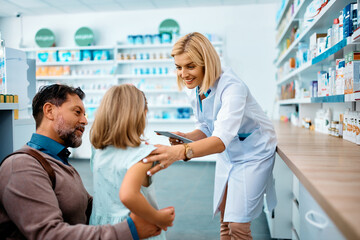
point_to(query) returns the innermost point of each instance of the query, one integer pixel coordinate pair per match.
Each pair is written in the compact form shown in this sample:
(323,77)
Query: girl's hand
(165,217)
(144,228)
(166,155)
(174,141)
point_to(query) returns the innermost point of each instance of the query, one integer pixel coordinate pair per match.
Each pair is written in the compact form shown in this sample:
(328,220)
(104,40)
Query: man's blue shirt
(50,147)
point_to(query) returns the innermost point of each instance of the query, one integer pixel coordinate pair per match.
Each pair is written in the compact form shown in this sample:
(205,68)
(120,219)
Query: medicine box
(101,55)
(46,56)
(339,79)
(313,43)
(86,55)
(352,71)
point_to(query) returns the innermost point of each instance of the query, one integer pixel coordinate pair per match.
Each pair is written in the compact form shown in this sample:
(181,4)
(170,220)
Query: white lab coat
(246,165)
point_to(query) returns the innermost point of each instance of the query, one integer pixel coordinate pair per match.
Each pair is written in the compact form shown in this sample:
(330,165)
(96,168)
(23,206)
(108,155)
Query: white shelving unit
(74,77)
(7,128)
(287,226)
(320,24)
(308,72)
(145,76)
(99,62)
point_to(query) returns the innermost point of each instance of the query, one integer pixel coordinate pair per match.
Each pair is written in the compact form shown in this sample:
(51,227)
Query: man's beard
(68,134)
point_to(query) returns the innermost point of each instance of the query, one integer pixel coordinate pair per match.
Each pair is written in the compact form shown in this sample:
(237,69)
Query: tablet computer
(172,135)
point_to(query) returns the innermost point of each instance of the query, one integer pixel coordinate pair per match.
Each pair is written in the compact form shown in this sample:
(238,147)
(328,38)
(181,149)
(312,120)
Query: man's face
(70,121)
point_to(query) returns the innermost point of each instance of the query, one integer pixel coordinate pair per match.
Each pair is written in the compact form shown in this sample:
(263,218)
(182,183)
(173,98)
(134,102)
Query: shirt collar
(49,146)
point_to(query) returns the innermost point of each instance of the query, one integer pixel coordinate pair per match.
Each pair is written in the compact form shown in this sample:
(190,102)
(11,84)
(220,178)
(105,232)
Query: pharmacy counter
(329,168)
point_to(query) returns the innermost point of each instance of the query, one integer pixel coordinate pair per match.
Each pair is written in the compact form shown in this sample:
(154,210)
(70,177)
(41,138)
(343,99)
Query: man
(28,203)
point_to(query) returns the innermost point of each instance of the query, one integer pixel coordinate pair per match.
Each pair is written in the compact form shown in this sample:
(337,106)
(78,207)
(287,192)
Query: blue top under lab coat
(246,165)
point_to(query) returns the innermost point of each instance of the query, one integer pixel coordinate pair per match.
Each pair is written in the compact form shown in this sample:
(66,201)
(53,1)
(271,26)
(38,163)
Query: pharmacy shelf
(334,49)
(9,106)
(295,18)
(154,46)
(95,91)
(143,46)
(144,76)
(74,77)
(326,99)
(294,101)
(295,73)
(162,91)
(287,5)
(312,67)
(99,62)
(68,48)
(320,22)
(171,121)
(329,99)
(169,106)
(145,61)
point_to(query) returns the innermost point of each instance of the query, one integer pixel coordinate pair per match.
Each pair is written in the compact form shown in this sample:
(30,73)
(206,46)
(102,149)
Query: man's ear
(49,111)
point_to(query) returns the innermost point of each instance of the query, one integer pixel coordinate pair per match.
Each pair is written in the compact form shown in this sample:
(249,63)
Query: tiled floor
(189,188)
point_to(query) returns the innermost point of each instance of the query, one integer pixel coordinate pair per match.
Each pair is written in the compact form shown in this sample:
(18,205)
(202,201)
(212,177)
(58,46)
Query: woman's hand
(166,155)
(174,141)
(165,217)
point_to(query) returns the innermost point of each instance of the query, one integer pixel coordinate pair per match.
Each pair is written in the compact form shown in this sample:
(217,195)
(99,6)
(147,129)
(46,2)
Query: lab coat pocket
(244,149)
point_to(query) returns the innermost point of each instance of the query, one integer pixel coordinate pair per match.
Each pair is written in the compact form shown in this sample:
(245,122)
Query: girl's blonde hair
(120,119)
(202,53)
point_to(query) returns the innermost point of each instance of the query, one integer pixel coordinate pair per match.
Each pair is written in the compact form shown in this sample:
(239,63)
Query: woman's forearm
(206,146)
(195,135)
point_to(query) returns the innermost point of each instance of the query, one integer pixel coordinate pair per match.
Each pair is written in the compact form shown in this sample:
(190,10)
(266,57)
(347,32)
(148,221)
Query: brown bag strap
(44,163)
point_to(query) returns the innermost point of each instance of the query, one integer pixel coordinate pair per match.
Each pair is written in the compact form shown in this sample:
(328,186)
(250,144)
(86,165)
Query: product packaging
(46,56)
(313,46)
(352,71)
(86,55)
(339,79)
(64,56)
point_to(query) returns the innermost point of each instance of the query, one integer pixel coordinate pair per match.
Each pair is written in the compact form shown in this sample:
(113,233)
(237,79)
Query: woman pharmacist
(229,122)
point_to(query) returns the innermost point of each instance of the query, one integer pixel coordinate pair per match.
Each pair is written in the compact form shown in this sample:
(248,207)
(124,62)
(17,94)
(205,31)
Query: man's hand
(144,228)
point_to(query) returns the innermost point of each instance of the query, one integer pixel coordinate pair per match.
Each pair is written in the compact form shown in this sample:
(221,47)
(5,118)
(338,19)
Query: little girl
(116,136)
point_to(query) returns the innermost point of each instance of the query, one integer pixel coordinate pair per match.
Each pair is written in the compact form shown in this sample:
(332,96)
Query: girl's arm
(132,198)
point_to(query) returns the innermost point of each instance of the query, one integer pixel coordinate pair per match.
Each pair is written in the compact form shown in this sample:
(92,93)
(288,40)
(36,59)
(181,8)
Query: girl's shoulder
(145,149)
(136,154)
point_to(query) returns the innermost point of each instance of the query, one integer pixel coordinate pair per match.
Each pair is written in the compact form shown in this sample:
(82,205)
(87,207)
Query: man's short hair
(55,94)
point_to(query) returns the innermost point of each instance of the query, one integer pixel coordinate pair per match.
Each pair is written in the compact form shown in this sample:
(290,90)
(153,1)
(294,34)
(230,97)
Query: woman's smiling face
(191,74)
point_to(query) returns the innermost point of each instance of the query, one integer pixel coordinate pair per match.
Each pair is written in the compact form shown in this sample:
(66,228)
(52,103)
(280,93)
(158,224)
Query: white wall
(248,32)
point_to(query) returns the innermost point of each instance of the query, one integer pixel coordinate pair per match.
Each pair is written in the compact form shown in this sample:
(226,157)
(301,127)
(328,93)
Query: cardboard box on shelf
(313,43)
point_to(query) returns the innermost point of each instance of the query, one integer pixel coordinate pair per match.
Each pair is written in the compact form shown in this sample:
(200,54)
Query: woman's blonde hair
(120,119)
(202,53)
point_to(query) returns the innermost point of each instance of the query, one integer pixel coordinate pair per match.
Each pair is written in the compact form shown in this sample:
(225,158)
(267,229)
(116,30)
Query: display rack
(320,24)
(306,73)
(7,128)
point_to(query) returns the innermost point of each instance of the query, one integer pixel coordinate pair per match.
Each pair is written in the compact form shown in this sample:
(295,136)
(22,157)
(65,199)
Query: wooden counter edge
(333,213)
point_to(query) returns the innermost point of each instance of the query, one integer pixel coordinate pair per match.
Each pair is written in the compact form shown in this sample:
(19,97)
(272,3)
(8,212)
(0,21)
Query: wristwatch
(189,153)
